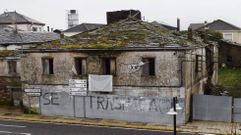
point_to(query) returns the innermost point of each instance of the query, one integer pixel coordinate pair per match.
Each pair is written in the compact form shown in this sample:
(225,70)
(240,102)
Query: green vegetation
(122,34)
(216,34)
(70,46)
(99,46)
(89,46)
(230,79)
(5,53)
(30,111)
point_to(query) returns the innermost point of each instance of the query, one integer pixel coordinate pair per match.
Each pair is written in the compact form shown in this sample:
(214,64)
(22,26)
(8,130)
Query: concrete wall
(137,109)
(149,91)
(56,101)
(193,81)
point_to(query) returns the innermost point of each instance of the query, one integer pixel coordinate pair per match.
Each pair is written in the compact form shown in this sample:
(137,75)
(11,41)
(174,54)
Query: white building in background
(72,18)
(20,22)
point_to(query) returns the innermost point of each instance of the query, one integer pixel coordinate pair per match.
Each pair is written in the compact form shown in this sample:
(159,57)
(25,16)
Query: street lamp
(173,111)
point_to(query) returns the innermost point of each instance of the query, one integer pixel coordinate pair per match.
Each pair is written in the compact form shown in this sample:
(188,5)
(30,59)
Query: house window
(149,66)
(109,66)
(48,66)
(198,63)
(12,67)
(80,66)
(228,36)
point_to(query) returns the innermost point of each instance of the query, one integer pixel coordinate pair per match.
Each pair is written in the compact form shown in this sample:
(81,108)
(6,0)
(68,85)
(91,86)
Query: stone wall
(167,68)
(174,69)
(5,95)
(9,81)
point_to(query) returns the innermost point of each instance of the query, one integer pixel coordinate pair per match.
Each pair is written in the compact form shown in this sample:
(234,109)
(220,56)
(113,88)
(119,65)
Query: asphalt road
(34,128)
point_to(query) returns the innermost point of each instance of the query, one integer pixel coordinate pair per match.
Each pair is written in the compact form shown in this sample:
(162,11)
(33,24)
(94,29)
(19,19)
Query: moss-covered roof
(128,33)
(7,53)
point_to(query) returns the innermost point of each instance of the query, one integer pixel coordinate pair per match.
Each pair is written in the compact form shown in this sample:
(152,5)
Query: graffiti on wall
(50,98)
(129,104)
(113,102)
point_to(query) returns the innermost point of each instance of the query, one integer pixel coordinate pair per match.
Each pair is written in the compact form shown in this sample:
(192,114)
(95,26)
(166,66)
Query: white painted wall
(28,27)
(69,34)
(13,47)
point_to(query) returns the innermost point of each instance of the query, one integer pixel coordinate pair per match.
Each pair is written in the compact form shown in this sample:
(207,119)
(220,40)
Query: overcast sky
(53,12)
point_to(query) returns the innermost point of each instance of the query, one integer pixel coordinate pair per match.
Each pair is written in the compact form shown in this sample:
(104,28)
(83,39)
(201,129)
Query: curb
(103,123)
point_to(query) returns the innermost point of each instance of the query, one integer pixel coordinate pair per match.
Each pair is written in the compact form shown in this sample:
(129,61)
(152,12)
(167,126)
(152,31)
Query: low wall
(129,108)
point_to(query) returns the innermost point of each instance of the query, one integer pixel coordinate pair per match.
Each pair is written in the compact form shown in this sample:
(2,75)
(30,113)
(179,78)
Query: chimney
(116,16)
(178,24)
(189,33)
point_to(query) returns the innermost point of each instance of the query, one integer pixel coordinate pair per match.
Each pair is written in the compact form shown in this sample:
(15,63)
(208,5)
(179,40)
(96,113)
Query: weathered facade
(10,78)
(144,60)
(10,41)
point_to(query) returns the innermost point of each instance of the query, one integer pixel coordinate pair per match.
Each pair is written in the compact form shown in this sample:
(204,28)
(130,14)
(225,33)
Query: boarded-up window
(80,66)
(109,66)
(12,67)
(48,66)
(149,66)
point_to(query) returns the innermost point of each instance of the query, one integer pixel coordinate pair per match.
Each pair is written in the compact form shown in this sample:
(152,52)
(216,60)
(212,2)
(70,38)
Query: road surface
(35,128)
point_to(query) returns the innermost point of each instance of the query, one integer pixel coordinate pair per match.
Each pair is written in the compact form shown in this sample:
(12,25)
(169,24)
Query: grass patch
(230,79)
